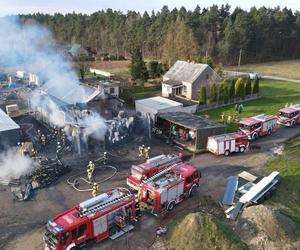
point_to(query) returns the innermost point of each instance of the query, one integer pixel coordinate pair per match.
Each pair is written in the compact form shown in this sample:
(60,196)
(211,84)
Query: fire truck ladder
(159,174)
(169,159)
(99,207)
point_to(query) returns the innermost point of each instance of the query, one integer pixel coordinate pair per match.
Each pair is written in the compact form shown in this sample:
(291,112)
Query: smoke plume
(31,48)
(13,165)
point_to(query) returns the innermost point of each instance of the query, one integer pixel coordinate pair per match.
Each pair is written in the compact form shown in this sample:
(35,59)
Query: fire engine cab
(164,190)
(107,215)
(227,143)
(151,167)
(289,116)
(259,125)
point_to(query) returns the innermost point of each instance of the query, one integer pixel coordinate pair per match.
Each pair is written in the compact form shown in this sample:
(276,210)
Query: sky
(8,7)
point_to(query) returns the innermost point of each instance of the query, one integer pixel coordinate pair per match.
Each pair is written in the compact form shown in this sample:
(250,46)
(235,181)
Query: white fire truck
(257,126)
(227,143)
(151,167)
(289,116)
(107,215)
(164,190)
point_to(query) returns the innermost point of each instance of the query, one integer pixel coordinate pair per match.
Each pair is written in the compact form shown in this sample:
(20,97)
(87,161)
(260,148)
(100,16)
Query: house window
(207,76)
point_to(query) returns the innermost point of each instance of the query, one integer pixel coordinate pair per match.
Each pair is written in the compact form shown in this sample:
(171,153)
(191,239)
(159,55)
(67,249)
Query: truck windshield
(136,174)
(245,127)
(283,114)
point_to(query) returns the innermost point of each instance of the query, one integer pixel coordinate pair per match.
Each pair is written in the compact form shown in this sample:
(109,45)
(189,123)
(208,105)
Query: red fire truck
(289,116)
(151,167)
(227,143)
(164,190)
(107,215)
(259,125)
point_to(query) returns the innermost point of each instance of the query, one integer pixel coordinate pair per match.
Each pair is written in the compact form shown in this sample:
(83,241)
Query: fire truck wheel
(269,131)
(293,123)
(171,206)
(227,152)
(192,192)
(255,136)
(242,149)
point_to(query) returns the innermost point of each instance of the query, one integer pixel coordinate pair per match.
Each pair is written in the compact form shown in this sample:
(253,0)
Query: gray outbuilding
(187,130)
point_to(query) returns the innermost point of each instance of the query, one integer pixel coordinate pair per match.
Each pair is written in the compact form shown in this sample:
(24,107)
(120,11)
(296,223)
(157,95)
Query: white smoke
(13,165)
(31,48)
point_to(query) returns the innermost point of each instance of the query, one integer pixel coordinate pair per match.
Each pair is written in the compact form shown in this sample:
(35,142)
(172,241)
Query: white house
(184,79)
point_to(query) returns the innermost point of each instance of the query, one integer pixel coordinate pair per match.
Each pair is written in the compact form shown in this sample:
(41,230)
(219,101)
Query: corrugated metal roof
(158,103)
(185,71)
(77,94)
(189,121)
(231,187)
(6,123)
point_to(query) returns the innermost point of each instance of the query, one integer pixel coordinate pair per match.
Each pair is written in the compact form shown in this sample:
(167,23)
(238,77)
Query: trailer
(226,144)
(151,167)
(257,126)
(110,215)
(166,189)
(289,116)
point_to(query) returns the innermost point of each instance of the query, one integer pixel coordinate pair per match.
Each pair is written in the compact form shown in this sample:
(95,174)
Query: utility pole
(240,58)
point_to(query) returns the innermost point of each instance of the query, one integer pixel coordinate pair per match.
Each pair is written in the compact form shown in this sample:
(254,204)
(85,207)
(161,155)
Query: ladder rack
(100,207)
(159,174)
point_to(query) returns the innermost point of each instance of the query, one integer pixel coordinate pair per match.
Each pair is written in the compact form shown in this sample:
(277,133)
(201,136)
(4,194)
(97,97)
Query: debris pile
(248,192)
(47,173)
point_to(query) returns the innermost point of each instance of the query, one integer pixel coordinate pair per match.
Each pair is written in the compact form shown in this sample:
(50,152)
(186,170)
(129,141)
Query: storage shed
(10,133)
(155,105)
(187,130)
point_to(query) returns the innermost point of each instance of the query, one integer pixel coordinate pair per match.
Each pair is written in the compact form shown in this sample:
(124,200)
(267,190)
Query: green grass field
(287,196)
(289,69)
(274,95)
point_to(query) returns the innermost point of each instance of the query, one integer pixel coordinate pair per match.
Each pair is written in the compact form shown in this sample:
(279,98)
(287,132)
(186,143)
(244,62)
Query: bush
(202,96)
(231,89)
(240,88)
(213,93)
(121,58)
(248,89)
(113,57)
(255,89)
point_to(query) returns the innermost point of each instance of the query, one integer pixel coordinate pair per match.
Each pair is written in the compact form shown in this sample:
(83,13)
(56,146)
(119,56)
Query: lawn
(287,196)
(274,95)
(289,69)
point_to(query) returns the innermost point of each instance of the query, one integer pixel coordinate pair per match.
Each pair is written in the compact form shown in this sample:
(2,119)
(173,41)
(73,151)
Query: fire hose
(77,177)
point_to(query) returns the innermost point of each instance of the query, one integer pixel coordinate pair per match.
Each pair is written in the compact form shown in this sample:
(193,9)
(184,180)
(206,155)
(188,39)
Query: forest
(217,32)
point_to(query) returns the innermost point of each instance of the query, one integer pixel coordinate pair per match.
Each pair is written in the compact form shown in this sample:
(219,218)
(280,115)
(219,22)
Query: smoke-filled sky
(89,6)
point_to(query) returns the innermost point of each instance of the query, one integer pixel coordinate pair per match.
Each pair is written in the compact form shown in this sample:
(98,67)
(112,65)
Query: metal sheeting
(247,176)
(6,123)
(231,187)
(233,211)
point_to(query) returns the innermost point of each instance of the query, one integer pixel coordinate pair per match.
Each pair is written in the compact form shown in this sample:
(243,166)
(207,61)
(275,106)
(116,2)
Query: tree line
(216,32)
(228,90)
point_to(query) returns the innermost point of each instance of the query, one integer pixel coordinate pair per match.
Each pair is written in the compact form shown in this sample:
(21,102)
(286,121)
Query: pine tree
(223,92)
(240,88)
(255,89)
(213,95)
(138,68)
(202,96)
(231,89)
(248,88)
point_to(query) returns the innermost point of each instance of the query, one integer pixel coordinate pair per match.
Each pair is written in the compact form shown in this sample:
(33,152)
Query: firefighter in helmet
(95,189)
(90,171)
(137,209)
(146,152)
(105,157)
(141,151)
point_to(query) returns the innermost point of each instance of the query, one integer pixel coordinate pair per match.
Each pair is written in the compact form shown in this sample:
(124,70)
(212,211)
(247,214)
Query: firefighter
(141,151)
(43,139)
(91,166)
(58,151)
(33,153)
(95,189)
(105,157)
(137,209)
(146,152)
(222,117)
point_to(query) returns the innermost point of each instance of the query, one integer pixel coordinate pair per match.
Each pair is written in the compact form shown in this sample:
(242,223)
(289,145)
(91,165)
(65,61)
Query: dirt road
(21,224)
